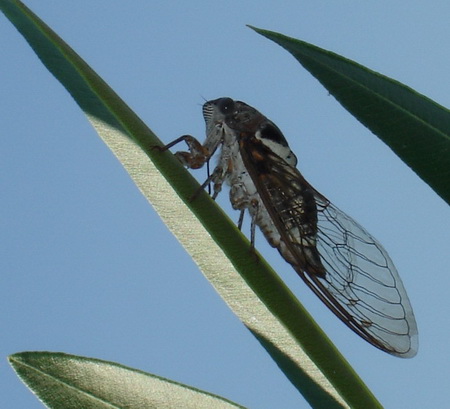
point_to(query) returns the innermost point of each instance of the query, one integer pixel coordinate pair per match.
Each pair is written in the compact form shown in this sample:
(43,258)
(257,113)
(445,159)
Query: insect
(338,259)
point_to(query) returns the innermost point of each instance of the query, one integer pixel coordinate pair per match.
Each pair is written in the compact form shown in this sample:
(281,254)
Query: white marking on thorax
(282,151)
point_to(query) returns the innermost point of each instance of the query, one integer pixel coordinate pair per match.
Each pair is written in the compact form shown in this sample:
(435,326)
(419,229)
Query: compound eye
(225,105)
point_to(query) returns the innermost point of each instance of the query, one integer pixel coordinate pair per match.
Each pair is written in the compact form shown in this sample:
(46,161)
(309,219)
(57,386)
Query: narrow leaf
(416,128)
(250,287)
(64,381)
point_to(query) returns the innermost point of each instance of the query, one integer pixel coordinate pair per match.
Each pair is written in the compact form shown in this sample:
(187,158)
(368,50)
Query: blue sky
(87,266)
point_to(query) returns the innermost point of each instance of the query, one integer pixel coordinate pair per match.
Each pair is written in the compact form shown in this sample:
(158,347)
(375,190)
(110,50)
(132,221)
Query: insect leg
(216,178)
(241,219)
(197,156)
(255,205)
(174,142)
(208,173)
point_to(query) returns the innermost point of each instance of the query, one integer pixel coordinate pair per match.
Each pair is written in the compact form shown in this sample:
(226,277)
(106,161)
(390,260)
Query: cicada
(346,267)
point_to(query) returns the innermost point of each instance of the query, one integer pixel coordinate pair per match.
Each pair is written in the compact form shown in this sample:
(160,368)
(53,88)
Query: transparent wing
(362,278)
(340,261)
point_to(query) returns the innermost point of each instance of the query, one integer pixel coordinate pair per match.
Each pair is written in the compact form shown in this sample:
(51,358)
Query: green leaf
(416,128)
(248,285)
(64,381)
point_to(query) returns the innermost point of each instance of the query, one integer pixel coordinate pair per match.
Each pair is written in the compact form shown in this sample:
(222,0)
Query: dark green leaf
(416,128)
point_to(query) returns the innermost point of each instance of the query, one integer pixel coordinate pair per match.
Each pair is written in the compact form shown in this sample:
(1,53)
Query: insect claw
(254,254)
(195,194)
(176,141)
(158,148)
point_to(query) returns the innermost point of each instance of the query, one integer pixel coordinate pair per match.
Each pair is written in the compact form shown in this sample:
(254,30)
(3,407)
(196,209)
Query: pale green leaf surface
(63,381)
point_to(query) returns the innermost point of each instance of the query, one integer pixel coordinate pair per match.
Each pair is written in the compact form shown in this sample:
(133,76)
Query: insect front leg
(197,155)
